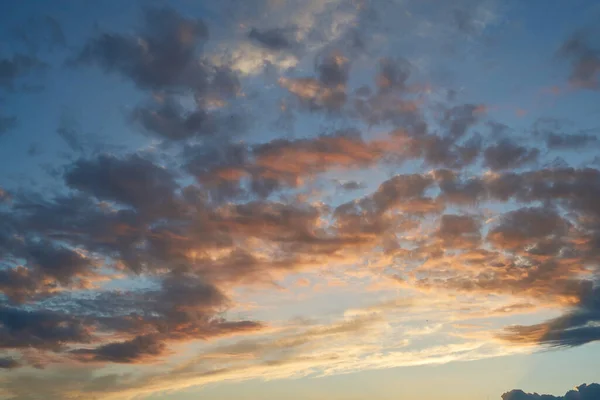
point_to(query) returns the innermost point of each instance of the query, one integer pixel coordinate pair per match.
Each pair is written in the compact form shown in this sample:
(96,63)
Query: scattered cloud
(198,252)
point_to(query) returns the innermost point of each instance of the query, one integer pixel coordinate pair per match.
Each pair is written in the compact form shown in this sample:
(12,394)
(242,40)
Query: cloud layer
(336,165)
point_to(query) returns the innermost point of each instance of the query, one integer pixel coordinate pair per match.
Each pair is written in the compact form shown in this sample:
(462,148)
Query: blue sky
(320,199)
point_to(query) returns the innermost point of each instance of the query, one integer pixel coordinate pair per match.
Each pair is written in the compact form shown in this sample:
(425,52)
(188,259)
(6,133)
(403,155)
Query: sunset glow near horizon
(311,199)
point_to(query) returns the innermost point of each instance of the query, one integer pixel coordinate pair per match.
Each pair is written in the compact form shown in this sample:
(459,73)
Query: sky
(316,199)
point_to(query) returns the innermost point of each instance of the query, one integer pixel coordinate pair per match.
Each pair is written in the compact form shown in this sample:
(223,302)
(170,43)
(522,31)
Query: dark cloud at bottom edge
(582,392)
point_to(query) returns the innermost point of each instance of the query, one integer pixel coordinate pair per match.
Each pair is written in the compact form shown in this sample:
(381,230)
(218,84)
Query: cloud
(13,68)
(328,90)
(132,181)
(575,328)
(57,262)
(168,120)
(40,329)
(526,226)
(570,141)
(444,151)
(136,254)
(20,284)
(393,74)
(276,39)
(166,57)
(134,350)
(459,119)
(585,60)
(161,56)
(352,185)
(581,392)
(289,160)
(457,231)
(505,155)
(8,363)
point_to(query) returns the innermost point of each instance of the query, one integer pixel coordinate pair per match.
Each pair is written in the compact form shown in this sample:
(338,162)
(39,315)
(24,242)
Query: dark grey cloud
(582,392)
(455,190)
(170,121)
(219,168)
(20,284)
(276,39)
(352,185)
(57,262)
(459,119)
(561,134)
(445,152)
(161,56)
(570,141)
(166,57)
(132,181)
(184,307)
(574,328)
(333,70)
(506,154)
(20,328)
(137,349)
(584,56)
(8,363)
